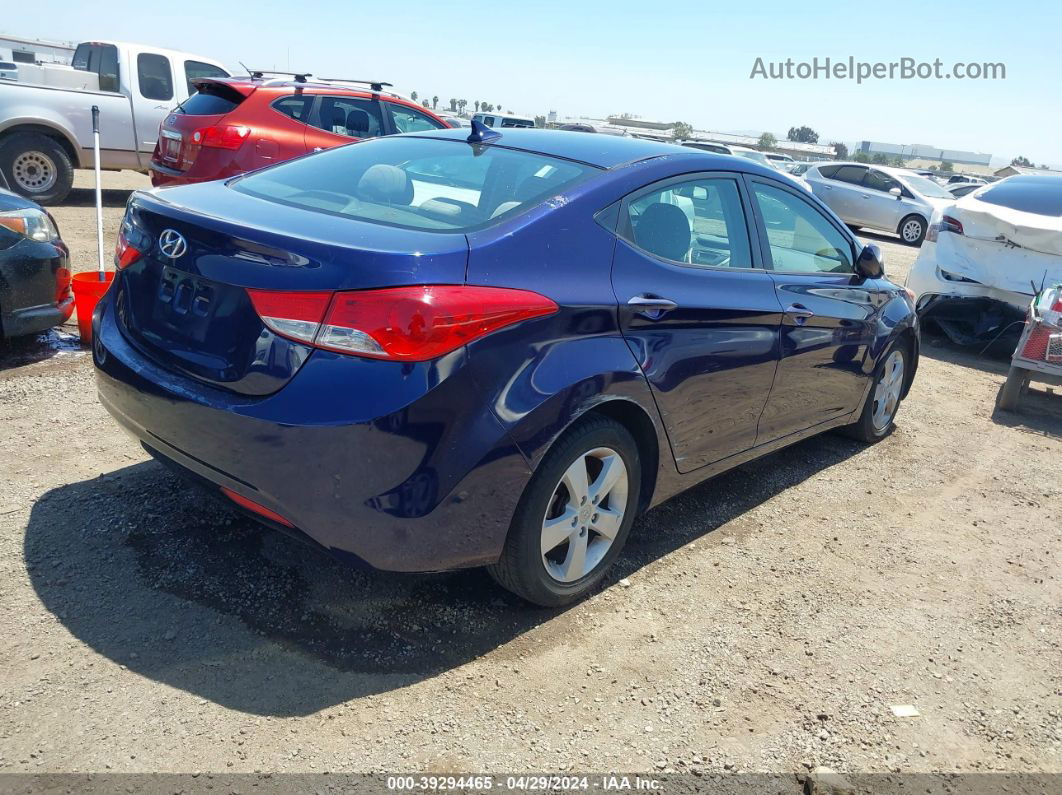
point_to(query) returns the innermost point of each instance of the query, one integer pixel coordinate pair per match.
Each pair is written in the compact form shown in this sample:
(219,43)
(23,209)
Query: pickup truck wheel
(36,167)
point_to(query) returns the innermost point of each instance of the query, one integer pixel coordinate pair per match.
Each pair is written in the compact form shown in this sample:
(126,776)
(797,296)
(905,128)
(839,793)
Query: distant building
(924,152)
(20,50)
(1014,171)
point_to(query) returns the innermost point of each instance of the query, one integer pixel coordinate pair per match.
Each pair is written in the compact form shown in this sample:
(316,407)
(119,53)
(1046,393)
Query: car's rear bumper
(34,288)
(383,462)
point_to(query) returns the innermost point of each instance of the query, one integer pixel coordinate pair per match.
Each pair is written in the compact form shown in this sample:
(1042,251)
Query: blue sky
(685,61)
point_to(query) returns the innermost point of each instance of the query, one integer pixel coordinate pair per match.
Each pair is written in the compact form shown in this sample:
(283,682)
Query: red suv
(233,125)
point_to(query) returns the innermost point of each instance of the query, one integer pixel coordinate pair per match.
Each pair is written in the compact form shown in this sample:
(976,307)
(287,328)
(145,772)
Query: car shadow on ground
(86,197)
(159,578)
(992,356)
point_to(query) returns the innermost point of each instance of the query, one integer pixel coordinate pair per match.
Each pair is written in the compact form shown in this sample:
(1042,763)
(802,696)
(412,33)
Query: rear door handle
(799,313)
(653,307)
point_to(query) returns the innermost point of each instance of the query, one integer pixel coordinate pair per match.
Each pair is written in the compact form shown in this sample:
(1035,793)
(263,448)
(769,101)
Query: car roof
(603,151)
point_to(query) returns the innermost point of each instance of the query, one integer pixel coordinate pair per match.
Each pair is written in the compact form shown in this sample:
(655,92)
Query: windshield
(418,183)
(759,157)
(926,187)
(1039,195)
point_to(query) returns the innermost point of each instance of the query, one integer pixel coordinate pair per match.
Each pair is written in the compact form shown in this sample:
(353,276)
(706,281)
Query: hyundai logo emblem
(172,243)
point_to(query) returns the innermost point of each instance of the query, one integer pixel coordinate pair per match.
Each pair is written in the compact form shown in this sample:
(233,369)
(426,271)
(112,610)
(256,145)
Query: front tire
(574,516)
(912,230)
(36,167)
(878,417)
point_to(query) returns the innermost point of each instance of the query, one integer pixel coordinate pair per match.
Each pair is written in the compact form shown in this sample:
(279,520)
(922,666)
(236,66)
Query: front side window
(156,80)
(802,240)
(879,180)
(700,222)
(196,70)
(407,119)
(349,116)
(417,183)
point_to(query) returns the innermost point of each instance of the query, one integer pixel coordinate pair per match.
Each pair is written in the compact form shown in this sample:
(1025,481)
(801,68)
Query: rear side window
(700,222)
(828,171)
(1039,195)
(853,174)
(297,106)
(196,70)
(156,80)
(101,59)
(349,116)
(417,183)
(407,119)
(212,99)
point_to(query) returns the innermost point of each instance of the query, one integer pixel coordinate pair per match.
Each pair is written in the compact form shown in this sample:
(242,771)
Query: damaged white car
(986,256)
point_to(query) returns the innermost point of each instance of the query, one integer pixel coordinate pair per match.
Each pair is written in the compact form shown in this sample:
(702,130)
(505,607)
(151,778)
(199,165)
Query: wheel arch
(60,136)
(637,421)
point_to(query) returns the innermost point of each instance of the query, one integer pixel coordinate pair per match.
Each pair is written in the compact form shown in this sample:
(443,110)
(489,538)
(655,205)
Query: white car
(987,254)
(764,159)
(877,197)
(785,161)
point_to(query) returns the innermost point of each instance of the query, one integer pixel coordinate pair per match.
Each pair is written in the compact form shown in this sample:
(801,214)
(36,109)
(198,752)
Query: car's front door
(698,311)
(829,311)
(883,210)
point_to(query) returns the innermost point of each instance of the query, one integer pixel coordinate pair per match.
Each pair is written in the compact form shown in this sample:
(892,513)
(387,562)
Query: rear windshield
(926,187)
(212,99)
(418,183)
(1039,195)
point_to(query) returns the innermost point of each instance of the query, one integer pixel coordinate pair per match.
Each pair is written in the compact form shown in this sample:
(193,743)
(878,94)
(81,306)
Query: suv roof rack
(375,85)
(258,74)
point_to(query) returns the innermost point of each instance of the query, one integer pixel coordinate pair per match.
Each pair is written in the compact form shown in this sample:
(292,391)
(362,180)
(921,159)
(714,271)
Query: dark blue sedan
(447,349)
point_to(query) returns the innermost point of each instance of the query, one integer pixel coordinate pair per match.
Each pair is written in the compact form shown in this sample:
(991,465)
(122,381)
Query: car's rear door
(829,312)
(841,189)
(699,313)
(339,119)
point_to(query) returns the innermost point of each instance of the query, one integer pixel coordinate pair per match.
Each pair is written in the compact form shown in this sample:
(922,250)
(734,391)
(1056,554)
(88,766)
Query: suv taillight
(221,136)
(410,324)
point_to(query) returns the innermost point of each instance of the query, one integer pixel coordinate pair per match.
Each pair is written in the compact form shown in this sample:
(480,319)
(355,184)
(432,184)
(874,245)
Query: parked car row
(489,347)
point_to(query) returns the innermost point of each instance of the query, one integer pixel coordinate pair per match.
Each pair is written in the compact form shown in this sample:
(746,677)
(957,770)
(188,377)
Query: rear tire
(36,167)
(912,230)
(1016,385)
(564,538)
(878,417)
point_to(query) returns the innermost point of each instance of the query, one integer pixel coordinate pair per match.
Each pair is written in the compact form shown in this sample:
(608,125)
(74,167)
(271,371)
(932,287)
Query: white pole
(99,190)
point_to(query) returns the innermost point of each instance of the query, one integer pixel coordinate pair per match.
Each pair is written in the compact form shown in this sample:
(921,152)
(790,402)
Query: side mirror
(871,262)
(895,192)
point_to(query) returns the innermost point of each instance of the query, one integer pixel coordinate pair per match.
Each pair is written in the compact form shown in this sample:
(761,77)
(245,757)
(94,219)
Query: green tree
(453,105)
(413,96)
(680,130)
(1021,160)
(840,150)
(804,135)
(767,141)
(879,159)
(540,121)
(898,162)
(461,105)
(861,157)
(425,103)
(477,106)
(435,103)
(948,166)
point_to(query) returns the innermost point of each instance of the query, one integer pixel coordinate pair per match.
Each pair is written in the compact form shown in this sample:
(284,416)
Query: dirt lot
(765,621)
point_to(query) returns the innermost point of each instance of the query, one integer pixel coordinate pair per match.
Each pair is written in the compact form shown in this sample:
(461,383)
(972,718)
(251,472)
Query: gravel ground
(767,620)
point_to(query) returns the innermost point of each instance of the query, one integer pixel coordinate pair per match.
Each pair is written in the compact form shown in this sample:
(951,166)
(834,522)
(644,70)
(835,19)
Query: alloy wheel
(584,514)
(912,230)
(887,390)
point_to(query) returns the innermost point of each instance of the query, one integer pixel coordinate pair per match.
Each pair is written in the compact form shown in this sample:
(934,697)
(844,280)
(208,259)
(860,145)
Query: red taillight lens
(949,224)
(291,314)
(223,136)
(411,324)
(125,253)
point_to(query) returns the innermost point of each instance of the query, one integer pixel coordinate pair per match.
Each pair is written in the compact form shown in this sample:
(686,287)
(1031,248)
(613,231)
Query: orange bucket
(88,290)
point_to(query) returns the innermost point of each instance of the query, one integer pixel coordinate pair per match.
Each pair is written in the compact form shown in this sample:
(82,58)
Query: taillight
(291,314)
(222,136)
(125,253)
(945,224)
(411,324)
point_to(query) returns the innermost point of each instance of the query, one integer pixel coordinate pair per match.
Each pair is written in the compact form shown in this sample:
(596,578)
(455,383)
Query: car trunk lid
(185,303)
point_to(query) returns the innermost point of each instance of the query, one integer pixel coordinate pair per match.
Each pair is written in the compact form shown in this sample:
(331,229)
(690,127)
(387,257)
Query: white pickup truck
(46,113)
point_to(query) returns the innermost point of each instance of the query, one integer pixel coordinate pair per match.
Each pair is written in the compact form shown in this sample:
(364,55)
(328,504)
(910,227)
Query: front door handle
(799,313)
(652,306)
